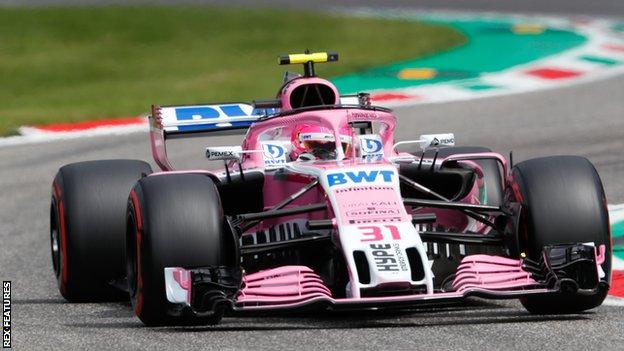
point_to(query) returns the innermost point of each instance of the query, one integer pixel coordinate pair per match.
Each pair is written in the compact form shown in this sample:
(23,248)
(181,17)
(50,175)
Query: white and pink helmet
(319,142)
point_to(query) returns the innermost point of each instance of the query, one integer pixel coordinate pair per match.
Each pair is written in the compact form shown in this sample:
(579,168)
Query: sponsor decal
(195,113)
(309,136)
(373,215)
(384,258)
(388,257)
(360,210)
(372,211)
(209,112)
(373,204)
(363,188)
(6,314)
(447,139)
(274,155)
(365,115)
(223,153)
(215,154)
(375,220)
(274,151)
(399,255)
(371,146)
(372,176)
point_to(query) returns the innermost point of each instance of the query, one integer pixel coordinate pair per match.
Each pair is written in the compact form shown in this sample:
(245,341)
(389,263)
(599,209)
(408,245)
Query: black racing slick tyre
(174,220)
(87,227)
(563,202)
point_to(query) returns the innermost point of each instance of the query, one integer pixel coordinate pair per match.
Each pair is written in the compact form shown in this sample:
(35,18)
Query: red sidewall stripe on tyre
(61,214)
(138,309)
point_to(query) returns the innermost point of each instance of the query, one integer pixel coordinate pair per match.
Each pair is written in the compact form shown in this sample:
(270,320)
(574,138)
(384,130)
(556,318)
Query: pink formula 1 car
(320,209)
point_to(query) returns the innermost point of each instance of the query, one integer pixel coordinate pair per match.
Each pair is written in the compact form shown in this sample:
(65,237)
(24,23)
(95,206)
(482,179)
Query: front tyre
(563,201)
(174,220)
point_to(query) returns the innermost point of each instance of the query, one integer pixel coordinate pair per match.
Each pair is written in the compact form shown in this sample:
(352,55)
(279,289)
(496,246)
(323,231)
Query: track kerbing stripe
(41,134)
(616,291)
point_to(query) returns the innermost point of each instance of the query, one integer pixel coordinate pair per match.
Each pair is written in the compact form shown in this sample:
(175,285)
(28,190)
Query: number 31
(375,233)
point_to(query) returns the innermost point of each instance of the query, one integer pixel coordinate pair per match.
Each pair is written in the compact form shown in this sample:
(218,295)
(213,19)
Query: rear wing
(186,119)
(176,120)
(168,122)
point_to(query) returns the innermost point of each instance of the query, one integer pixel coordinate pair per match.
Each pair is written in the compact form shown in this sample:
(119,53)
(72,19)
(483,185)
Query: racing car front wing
(562,269)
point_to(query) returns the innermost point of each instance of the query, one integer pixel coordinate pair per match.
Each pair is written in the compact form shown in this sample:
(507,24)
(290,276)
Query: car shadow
(349,323)
(479,312)
(470,313)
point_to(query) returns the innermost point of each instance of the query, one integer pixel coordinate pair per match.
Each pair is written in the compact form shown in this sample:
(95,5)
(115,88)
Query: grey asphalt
(586,119)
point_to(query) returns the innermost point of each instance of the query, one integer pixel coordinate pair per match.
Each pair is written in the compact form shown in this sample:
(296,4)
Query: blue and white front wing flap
(207,118)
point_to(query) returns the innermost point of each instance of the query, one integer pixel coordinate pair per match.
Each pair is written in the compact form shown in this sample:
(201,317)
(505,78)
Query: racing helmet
(316,142)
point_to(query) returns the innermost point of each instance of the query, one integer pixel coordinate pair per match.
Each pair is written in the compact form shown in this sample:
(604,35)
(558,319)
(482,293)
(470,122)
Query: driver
(312,142)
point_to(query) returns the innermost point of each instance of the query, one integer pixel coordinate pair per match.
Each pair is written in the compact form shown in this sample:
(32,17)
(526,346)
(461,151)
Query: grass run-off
(63,64)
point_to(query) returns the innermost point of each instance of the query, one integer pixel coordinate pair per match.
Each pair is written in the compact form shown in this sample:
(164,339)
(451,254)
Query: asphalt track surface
(586,119)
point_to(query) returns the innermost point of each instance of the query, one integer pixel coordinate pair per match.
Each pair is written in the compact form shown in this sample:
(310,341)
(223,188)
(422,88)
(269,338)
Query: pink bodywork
(491,272)
(288,284)
(289,87)
(292,286)
(296,286)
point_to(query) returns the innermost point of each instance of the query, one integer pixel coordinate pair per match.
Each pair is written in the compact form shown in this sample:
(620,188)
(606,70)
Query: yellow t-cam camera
(315,57)
(308,60)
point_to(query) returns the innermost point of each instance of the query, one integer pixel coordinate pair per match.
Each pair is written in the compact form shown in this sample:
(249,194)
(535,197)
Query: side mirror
(224,153)
(433,140)
(430,140)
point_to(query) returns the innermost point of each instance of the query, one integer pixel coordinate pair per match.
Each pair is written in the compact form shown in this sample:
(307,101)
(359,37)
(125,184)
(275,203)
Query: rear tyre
(87,227)
(563,201)
(173,220)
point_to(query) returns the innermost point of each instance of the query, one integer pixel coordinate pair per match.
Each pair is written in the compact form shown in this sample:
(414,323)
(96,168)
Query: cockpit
(307,141)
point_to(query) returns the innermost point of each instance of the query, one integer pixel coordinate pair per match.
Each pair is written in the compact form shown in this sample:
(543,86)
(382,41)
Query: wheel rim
(55,240)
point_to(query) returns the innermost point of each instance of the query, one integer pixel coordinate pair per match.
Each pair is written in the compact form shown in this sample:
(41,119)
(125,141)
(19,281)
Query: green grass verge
(62,64)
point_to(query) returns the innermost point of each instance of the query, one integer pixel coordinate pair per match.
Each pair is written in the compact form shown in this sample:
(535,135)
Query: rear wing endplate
(181,121)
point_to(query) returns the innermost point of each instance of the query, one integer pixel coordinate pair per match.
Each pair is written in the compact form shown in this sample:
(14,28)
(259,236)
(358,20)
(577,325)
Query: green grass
(81,63)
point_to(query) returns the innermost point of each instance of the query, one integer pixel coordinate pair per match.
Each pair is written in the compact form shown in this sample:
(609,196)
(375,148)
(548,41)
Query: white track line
(613,301)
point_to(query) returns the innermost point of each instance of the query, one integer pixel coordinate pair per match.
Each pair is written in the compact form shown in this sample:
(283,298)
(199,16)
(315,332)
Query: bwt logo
(371,146)
(359,177)
(274,151)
